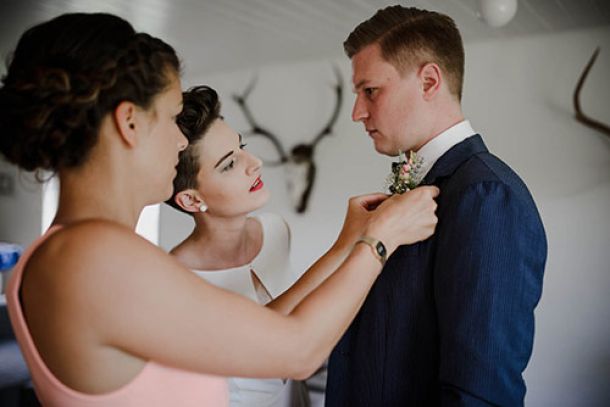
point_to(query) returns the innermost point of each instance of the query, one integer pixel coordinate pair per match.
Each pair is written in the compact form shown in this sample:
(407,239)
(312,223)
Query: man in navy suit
(450,321)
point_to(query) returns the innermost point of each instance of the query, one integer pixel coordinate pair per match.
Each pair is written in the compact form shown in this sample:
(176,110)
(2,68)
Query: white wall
(518,94)
(21,211)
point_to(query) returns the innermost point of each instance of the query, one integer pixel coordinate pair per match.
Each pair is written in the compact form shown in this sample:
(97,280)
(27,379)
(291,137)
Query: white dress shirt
(439,145)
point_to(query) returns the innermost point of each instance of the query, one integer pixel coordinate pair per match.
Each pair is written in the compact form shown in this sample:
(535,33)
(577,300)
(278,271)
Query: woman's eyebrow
(223,158)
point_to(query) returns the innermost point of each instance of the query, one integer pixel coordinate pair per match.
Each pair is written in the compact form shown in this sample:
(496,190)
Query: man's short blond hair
(409,37)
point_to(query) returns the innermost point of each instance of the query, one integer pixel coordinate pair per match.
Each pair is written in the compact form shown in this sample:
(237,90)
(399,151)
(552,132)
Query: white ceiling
(215,35)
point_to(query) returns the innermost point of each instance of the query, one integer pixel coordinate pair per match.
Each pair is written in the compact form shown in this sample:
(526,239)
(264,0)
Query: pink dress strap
(155,385)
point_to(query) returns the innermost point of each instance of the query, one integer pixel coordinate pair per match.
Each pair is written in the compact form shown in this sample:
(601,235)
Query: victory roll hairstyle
(201,107)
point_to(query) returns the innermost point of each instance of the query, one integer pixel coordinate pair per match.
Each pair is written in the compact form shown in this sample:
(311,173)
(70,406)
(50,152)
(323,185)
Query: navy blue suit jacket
(450,321)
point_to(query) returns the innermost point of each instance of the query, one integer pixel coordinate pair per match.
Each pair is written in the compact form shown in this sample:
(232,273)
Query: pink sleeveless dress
(155,385)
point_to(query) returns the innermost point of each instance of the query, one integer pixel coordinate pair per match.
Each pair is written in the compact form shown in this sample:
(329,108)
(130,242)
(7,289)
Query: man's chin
(385,150)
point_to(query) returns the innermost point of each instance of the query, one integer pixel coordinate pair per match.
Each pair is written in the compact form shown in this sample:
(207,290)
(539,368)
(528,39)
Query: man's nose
(359,112)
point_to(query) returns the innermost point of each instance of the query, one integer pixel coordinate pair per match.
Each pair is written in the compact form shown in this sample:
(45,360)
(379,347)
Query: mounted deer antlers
(580,116)
(301,169)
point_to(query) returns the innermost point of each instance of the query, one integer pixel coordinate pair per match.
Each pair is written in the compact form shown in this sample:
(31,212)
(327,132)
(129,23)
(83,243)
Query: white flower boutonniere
(405,173)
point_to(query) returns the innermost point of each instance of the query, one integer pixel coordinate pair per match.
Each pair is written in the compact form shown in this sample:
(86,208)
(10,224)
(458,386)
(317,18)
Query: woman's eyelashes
(231,164)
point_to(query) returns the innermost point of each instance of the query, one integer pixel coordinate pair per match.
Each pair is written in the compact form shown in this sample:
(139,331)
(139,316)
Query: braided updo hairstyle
(65,76)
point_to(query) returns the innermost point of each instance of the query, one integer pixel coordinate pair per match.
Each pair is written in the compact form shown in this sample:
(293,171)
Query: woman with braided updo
(105,318)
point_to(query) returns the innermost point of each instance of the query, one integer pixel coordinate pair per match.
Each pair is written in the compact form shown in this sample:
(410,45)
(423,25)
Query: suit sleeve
(488,266)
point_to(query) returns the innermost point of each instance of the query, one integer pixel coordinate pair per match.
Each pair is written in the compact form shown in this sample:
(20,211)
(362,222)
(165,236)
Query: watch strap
(378,247)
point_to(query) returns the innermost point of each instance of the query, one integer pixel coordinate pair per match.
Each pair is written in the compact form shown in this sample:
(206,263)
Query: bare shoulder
(103,282)
(91,252)
(96,238)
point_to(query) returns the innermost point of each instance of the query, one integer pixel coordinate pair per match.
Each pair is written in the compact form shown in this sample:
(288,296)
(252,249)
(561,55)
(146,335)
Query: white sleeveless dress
(272,268)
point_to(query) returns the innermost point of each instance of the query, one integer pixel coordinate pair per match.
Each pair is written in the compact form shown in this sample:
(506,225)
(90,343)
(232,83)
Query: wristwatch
(378,247)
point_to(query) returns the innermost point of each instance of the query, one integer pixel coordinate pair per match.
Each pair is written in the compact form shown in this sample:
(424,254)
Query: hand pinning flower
(405,173)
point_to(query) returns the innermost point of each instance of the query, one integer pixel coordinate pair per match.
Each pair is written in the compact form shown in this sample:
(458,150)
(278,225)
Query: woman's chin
(262,198)
(167,193)
(266,196)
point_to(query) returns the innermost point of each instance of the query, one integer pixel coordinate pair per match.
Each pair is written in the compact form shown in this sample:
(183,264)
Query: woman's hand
(404,219)
(359,212)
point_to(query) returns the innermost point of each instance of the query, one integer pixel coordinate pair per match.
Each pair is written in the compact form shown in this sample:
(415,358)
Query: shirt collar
(439,145)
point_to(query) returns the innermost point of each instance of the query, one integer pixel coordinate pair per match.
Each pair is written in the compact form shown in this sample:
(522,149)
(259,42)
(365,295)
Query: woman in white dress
(245,254)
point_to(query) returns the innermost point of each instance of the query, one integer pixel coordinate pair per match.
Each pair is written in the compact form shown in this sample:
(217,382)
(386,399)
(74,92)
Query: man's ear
(125,120)
(189,200)
(431,78)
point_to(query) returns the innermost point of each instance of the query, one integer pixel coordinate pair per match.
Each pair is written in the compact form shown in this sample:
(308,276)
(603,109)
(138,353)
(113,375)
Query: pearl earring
(203,207)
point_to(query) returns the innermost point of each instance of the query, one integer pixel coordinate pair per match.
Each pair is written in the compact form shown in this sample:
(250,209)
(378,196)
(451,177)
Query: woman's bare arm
(117,290)
(358,214)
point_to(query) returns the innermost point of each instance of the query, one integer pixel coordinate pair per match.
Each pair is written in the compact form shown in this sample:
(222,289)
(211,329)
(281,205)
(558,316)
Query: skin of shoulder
(93,261)
(77,290)
(114,293)
(90,250)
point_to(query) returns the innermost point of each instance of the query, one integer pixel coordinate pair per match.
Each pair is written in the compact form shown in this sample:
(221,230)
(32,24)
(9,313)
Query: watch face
(380,249)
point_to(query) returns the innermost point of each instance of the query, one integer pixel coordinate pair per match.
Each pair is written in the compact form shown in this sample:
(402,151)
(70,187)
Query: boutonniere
(405,173)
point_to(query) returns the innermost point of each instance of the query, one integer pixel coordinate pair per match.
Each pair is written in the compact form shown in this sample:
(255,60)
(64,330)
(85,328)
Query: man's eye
(369,91)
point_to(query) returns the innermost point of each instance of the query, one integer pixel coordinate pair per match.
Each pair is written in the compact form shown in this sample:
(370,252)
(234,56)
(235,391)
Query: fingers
(407,218)
(370,201)
(431,189)
(423,192)
(399,219)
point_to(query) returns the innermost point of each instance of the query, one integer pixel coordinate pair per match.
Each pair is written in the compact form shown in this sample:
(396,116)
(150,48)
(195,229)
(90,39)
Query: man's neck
(444,116)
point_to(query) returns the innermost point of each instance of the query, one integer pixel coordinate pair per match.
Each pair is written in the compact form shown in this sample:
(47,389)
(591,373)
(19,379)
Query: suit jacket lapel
(453,158)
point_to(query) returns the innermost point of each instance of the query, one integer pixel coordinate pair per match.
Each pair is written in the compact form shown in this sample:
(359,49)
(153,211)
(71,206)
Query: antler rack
(299,161)
(580,116)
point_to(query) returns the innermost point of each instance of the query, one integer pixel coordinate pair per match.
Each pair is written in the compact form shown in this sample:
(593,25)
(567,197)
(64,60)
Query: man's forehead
(358,83)
(364,66)
(371,70)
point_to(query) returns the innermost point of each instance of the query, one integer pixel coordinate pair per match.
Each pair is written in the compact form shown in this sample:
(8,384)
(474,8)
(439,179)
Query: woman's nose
(183,142)
(254,164)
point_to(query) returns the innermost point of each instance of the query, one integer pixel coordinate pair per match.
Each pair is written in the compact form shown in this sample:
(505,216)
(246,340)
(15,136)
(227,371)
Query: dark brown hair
(201,107)
(409,37)
(65,76)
